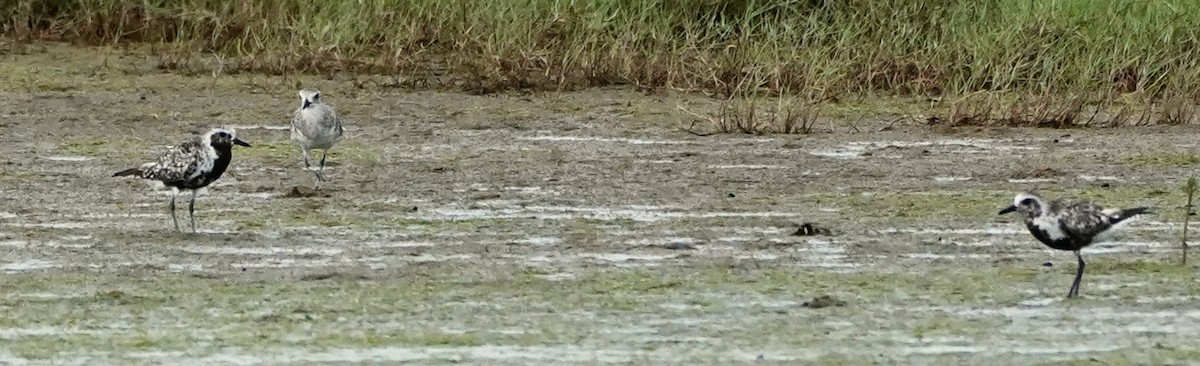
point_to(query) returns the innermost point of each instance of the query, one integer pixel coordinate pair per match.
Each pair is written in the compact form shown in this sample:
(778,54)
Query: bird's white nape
(1021,197)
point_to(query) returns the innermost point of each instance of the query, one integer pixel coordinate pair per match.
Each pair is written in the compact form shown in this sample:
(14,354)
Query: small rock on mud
(823,301)
(304,192)
(810,229)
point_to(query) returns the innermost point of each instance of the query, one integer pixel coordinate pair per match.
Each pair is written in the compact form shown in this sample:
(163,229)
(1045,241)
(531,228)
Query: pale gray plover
(1070,225)
(315,126)
(192,165)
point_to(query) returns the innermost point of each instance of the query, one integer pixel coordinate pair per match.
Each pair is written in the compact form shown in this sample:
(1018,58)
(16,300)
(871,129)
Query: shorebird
(1070,225)
(315,126)
(193,164)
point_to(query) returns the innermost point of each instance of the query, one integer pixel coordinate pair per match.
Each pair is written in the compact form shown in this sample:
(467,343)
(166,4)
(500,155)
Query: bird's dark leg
(192,211)
(172,207)
(321,166)
(309,168)
(324,153)
(1074,291)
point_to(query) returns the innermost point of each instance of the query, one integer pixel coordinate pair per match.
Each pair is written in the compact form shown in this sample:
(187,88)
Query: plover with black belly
(1066,225)
(191,165)
(315,126)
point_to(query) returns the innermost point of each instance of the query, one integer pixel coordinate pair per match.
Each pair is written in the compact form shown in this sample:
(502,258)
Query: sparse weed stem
(1188,211)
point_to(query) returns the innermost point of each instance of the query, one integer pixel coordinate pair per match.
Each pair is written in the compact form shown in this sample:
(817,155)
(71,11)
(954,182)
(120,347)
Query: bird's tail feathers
(127,172)
(1130,212)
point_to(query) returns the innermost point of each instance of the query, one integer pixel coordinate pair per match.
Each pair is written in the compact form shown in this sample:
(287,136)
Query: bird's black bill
(1008,209)
(237,141)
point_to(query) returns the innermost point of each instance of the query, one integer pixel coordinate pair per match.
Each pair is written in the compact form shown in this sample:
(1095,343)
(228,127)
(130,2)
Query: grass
(1070,52)
(1162,159)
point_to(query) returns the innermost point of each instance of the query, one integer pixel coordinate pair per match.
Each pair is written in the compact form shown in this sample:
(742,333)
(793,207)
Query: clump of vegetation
(1059,110)
(747,116)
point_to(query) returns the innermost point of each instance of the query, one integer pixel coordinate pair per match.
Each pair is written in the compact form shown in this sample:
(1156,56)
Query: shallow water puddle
(285,263)
(635,213)
(746,166)
(15,333)
(661,161)
(28,265)
(262,127)
(661,241)
(259,195)
(1032,180)
(184,267)
(1130,246)
(395,244)
(1006,230)
(630,259)
(539,241)
(531,190)
(47,295)
(560,276)
(56,225)
(933,256)
(857,149)
(262,250)
(1093,178)
(553,354)
(631,141)
(422,258)
(71,159)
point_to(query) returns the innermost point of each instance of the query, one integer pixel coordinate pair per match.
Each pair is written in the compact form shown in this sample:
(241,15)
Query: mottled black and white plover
(315,126)
(1066,225)
(192,165)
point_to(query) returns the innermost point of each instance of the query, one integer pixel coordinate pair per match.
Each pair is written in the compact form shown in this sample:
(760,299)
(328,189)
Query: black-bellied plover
(315,126)
(1066,225)
(193,164)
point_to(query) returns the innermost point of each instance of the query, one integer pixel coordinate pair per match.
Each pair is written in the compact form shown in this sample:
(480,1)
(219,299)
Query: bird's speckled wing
(178,163)
(1083,219)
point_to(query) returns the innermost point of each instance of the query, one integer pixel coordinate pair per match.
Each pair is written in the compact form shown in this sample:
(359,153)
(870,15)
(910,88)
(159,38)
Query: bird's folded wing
(177,164)
(1084,220)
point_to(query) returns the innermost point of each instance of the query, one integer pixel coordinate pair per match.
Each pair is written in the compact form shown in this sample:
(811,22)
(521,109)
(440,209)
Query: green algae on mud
(106,148)
(112,312)
(1163,158)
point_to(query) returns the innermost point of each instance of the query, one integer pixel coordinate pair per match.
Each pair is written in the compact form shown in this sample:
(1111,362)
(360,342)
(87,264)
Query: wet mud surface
(565,228)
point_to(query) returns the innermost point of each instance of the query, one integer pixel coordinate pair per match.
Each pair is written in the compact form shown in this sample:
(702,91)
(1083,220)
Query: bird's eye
(1027,202)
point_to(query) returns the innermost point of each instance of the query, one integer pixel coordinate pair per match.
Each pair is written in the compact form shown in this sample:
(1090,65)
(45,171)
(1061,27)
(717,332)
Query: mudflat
(567,228)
